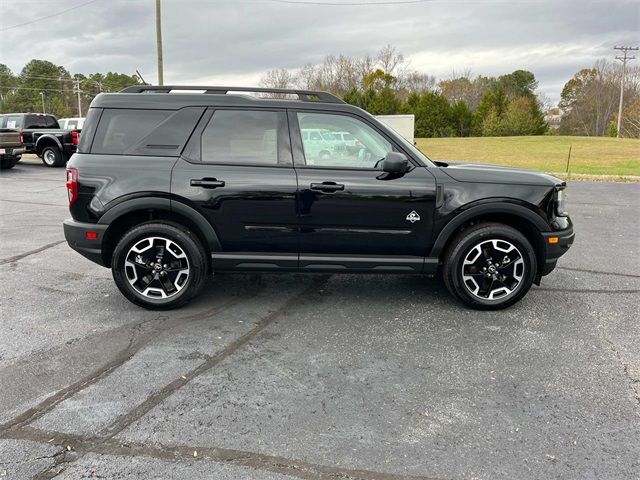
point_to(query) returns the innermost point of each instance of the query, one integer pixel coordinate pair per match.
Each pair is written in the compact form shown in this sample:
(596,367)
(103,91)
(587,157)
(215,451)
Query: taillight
(21,139)
(72,185)
(75,137)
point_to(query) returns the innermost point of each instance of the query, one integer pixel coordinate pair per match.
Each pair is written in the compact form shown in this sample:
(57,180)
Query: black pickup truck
(11,148)
(43,136)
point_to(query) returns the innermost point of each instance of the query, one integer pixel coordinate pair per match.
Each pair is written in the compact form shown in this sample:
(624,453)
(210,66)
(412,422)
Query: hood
(486,173)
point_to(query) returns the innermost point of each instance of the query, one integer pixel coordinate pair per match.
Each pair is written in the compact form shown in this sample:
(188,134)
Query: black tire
(52,157)
(504,285)
(126,274)
(8,162)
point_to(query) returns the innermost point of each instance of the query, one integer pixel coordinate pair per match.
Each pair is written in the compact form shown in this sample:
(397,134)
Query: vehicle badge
(413,217)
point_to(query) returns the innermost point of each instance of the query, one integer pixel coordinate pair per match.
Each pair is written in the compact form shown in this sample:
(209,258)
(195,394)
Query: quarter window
(242,137)
(122,129)
(341,141)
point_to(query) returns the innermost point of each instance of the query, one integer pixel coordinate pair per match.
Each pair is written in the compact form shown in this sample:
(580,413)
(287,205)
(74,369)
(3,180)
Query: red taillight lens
(72,185)
(75,137)
(21,139)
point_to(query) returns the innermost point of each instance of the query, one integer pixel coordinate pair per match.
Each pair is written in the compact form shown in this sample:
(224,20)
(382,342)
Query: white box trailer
(401,124)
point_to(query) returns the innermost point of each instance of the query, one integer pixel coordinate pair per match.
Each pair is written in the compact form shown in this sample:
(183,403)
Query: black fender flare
(168,205)
(486,208)
(47,137)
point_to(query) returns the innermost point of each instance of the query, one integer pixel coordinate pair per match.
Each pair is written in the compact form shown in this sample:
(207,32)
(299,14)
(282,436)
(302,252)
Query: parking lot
(326,376)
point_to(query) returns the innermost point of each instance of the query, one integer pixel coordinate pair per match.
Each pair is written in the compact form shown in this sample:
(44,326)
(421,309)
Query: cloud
(235,41)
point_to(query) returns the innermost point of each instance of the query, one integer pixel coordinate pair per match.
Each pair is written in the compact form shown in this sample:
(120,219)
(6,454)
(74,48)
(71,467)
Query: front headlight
(561,196)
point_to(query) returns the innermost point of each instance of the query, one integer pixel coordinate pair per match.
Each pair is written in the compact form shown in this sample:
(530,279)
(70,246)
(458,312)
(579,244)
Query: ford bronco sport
(172,183)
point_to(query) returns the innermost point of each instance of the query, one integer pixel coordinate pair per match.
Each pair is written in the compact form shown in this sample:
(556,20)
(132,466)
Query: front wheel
(159,265)
(52,157)
(490,266)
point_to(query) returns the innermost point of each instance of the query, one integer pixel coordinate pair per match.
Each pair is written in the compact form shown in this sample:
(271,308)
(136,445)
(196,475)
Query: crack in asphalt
(137,341)
(241,458)
(625,367)
(15,258)
(584,290)
(599,272)
(25,202)
(18,427)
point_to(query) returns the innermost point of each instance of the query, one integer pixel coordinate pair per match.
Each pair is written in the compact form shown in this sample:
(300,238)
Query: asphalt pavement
(317,376)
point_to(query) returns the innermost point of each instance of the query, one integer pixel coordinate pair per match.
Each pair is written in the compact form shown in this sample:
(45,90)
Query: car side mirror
(395,162)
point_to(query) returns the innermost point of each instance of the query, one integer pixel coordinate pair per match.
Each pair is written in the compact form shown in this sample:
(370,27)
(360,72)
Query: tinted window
(365,149)
(35,121)
(86,136)
(50,122)
(241,136)
(122,129)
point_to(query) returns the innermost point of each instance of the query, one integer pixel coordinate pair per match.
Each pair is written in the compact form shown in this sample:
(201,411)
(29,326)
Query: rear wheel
(8,162)
(490,266)
(52,157)
(159,265)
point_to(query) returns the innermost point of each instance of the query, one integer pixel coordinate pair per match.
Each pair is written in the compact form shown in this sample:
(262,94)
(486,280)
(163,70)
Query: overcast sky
(236,41)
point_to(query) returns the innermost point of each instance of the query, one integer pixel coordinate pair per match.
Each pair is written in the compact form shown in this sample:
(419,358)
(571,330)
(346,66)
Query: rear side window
(35,121)
(50,122)
(86,136)
(243,137)
(122,129)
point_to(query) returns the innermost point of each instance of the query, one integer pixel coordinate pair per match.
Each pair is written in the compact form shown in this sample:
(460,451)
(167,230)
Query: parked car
(75,123)
(11,148)
(168,188)
(43,136)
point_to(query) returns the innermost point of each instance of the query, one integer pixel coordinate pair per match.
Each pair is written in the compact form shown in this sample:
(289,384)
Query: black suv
(171,183)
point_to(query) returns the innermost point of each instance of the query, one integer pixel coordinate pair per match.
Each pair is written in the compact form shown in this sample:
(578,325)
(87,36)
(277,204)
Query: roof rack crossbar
(303,95)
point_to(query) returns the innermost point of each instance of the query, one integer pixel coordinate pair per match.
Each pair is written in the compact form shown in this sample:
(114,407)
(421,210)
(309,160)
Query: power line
(61,12)
(624,59)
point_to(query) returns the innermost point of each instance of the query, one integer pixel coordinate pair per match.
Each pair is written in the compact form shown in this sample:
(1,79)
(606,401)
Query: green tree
(520,83)
(492,124)
(8,82)
(461,118)
(492,100)
(433,117)
(384,102)
(521,118)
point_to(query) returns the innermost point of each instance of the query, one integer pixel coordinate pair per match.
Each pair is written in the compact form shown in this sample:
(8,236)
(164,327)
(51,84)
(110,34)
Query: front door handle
(327,187)
(206,183)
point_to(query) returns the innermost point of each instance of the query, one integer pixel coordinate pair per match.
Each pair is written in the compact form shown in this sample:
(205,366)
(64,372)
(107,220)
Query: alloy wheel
(493,269)
(157,267)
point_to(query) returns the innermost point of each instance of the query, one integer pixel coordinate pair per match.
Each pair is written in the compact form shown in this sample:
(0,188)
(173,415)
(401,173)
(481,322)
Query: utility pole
(159,41)
(624,58)
(42,96)
(79,104)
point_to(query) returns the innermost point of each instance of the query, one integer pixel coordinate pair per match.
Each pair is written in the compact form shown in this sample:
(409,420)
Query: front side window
(242,137)
(341,141)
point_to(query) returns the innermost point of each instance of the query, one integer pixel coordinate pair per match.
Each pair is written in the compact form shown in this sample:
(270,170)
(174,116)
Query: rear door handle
(206,183)
(327,187)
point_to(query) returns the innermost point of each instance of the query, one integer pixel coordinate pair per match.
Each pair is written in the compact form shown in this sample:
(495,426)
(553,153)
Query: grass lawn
(589,155)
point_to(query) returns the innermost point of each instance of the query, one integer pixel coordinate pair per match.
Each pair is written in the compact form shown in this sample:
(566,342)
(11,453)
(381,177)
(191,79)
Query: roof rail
(303,95)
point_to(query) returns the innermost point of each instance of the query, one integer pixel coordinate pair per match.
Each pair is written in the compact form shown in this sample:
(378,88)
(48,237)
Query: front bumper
(553,251)
(76,235)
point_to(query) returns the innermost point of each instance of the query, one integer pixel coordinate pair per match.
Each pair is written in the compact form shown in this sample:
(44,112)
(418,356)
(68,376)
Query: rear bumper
(553,251)
(76,235)
(12,152)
